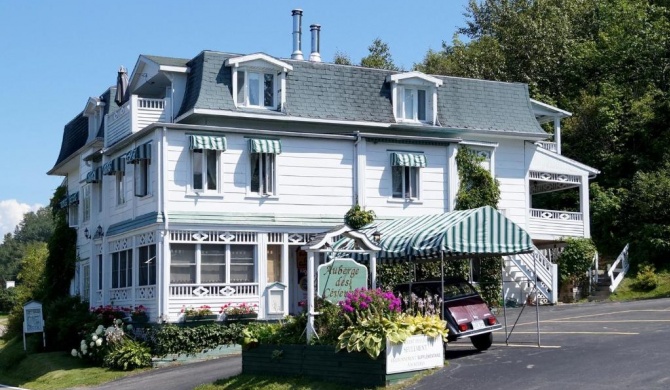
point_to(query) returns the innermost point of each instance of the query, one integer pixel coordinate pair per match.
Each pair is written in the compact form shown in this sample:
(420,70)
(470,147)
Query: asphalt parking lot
(593,346)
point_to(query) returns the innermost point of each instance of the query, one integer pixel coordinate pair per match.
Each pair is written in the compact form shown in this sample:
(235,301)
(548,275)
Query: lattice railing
(120,294)
(212,236)
(557,215)
(209,290)
(557,177)
(145,292)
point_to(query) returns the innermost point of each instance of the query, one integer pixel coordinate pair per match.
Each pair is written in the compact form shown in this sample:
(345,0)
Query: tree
(341,58)
(30,283)
(606,62)
(60,264)
(379,57)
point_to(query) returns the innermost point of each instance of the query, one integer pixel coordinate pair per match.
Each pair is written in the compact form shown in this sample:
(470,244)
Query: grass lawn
(49,370)
(625,292)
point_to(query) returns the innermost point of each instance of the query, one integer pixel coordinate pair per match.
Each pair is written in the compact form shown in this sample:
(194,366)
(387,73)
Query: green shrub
(128,355)
(646,279)
(64,320)
(356,217)
(576,259)
(172,339)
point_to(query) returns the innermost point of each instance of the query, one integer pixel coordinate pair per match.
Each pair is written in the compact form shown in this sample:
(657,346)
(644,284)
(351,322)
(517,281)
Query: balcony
(135,115)
(553,225)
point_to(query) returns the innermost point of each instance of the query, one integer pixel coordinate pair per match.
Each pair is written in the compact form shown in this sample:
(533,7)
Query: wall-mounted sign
(33,320)
(339,276)
(418,352)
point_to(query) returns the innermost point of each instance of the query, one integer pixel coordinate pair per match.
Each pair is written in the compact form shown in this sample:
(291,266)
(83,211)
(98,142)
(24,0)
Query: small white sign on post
(33,321)
(418,352)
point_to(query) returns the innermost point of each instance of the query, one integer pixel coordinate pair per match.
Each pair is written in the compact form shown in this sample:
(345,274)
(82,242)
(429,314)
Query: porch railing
(620,267)
(555,223)
(213,290)
(550,146)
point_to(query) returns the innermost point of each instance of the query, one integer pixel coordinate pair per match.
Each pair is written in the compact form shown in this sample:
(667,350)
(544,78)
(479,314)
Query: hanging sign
(339,276)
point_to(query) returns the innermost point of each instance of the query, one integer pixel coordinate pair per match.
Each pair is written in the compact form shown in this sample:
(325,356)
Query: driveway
(591,346)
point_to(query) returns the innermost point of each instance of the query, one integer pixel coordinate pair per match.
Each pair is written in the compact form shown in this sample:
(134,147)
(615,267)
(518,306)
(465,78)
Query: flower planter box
(319,362)
(240,318)
(200,320)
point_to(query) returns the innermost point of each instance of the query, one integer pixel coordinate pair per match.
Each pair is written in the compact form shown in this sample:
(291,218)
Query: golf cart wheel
(483,341)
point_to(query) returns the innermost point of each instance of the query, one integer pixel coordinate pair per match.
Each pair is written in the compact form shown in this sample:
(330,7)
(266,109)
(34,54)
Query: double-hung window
(122,269)
(256,89)
(141,158)
(263,160)
(413,106)
(212,263)
(147,266)
(117,168)
(94,178)
(206,162)
(406,174)
(86,203)
(72,203)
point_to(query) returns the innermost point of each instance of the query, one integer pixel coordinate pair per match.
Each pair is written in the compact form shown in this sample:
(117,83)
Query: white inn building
(200,185)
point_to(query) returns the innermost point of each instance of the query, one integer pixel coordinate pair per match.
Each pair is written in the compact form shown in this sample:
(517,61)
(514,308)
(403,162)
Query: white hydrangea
(92,344)
(74,353)
(98,342)
(94,338)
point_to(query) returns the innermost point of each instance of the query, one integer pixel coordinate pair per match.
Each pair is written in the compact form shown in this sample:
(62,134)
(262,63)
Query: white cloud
(11,214)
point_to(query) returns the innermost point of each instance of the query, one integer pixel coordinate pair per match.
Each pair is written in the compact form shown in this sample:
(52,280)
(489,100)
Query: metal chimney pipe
(315,56)
(297,34)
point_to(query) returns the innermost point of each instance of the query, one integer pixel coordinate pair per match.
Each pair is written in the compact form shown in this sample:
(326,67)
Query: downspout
(355,166)
(160,265)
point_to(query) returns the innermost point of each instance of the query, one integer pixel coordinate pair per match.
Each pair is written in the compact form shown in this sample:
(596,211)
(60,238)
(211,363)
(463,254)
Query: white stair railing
(620,267)
(535,263)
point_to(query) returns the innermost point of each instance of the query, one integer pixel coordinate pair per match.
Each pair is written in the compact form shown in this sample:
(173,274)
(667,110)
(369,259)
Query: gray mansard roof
(353,93)
(75,132)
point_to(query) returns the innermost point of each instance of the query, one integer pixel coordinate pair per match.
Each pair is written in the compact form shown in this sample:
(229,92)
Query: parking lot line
(599,333)
(595,315)
(606,321)
(526,345)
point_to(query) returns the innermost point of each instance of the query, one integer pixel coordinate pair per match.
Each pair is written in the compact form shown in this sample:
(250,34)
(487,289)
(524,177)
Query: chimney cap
(315,26)
(296,11)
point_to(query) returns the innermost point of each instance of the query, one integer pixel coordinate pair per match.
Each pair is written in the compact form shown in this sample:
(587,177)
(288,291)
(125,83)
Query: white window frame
(86,203)
(219,171)
(73,215)
(245,93)
(86,281)
(414,115)
(148,258)
(263,159)
(406,172)
(142,178)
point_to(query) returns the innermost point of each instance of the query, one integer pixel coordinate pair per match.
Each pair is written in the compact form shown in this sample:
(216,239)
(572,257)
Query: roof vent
(315,56)
(297,34)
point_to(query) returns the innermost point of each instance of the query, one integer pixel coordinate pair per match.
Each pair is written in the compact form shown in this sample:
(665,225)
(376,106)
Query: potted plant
(139,315)
(239,312)
(199,314)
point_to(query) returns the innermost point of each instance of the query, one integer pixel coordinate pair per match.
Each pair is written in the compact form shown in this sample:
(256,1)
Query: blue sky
(55,55)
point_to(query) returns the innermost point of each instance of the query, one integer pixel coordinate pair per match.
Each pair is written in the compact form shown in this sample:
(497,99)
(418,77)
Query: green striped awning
(73,198)
(142,152)
(114,166)
(476,232)
(408,160)
(94,175)
(257,145)
(208,142)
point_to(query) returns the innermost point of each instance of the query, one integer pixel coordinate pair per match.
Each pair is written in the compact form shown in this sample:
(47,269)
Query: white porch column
(310,296)
(373,270)
(164,272)
(584,205)
(359,173)
(557,133)
(284,272)
(452,178)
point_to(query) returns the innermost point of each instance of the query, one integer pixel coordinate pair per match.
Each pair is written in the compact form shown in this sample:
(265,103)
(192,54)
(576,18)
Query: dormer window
(259,81)
(414,96)
(256,89)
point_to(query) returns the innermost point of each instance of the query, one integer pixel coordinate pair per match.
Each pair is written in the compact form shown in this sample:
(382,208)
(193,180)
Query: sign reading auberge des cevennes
(339,276)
